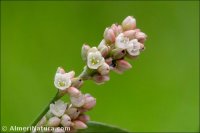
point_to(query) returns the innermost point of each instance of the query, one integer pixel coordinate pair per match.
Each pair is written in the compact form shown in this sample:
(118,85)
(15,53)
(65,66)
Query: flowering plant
(119,42)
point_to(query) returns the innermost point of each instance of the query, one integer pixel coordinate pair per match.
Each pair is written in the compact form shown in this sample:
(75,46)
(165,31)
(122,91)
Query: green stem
(46,109)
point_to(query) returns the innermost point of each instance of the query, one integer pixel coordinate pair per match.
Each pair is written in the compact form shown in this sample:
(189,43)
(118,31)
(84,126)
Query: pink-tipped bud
(129,23)
(123,65)
(66,120)
(73,91)
(109,35)
(53,122)
(100,79)
(141,37)
(84,51)
(60,70)
(104,69)
(118,53)
(130,34)
(117,29)
(90,102)
(84,118)
(79,125)
(77,82)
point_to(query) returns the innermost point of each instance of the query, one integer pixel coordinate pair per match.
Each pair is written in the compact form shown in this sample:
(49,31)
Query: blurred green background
(160,93)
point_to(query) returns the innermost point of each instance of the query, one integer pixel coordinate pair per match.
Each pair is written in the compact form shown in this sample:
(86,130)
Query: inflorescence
(119,42)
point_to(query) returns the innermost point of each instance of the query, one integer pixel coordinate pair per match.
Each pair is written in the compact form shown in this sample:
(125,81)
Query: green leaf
(101,127)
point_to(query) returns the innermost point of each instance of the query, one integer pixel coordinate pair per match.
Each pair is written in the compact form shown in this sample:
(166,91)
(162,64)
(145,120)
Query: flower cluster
(119,42)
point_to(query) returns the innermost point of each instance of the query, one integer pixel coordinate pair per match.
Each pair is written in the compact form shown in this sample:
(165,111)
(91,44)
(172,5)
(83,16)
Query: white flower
(58,109)
(94,58)
(122,41)
(62,81)
(134,47)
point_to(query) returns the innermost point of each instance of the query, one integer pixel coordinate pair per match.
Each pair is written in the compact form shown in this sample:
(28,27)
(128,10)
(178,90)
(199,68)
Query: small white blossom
(134,47)
(62,81)
(122,41)
(94,59)
(58,109)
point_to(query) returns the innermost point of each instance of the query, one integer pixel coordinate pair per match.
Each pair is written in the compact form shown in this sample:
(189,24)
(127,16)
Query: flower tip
(79,125)
(129,23)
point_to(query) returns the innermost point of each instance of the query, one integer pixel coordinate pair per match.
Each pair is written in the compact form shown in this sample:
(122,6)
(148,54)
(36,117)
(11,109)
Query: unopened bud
(84,51)
(73,112)
(66,120)
(77,101)
(77,82)
(79,125)
(90,102)
(109,35)
(74,92)
(123,65)
(84,118)
(141,37)
(53,122)
(117,29)
(118,53)
(100,79)
(104,69)
(129,23)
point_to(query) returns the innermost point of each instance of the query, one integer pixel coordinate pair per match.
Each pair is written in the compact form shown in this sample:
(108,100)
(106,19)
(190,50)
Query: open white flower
(134,47)
(122,41)
(62,80)
(58,109)
(94,58)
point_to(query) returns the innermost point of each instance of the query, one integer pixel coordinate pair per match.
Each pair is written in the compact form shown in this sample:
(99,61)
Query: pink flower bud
(141,37)
(79,125)
(84,118)
(77,82)
(130,34)
(73,91)
(90,102)
(129,23)
(100,79)
(84,51)
(103,48)
(118,53)
(66,120)
(53,122)
(117,29)
(104,69)
(123,65)
(109,35)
